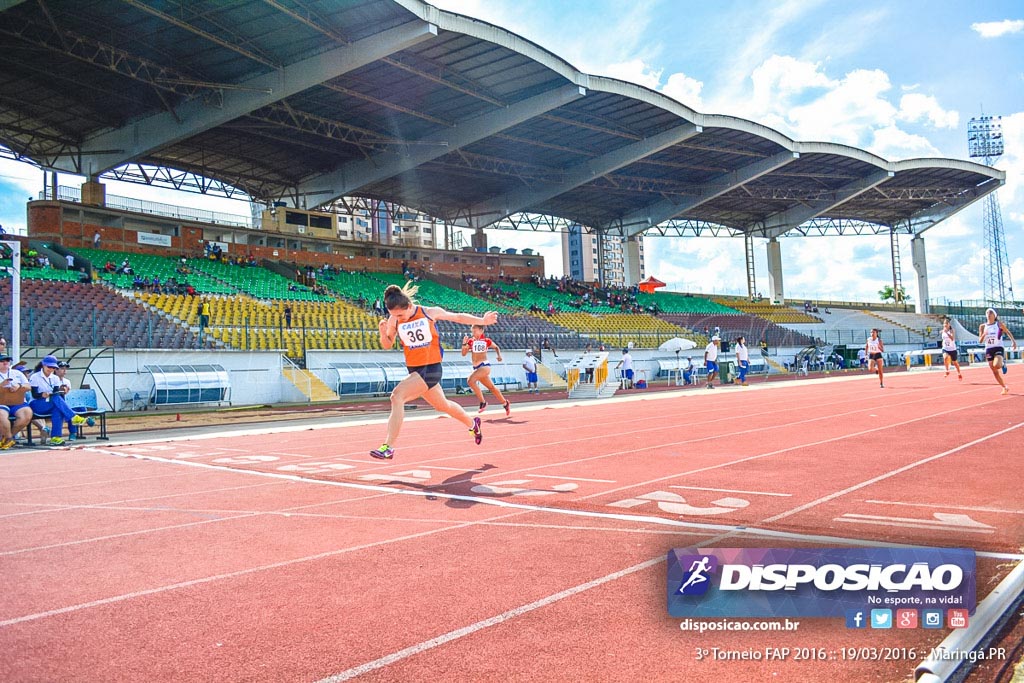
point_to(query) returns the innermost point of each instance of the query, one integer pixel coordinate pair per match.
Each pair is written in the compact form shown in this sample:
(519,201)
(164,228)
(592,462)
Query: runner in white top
(876,360)
(991,335)
(742,360)
(949,352)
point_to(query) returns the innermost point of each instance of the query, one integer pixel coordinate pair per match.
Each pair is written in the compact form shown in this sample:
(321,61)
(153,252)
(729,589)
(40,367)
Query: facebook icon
(856,618)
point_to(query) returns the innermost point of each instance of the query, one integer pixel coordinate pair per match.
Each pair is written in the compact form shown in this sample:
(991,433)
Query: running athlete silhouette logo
(698,578)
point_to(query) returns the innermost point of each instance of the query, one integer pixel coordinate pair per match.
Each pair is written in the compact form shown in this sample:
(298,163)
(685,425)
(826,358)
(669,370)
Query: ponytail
(400,297)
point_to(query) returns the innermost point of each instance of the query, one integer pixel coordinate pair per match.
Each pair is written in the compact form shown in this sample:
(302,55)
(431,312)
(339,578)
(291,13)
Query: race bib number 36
(415,333)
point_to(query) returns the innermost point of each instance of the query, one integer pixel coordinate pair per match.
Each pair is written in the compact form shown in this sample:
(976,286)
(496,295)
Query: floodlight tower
(985,140)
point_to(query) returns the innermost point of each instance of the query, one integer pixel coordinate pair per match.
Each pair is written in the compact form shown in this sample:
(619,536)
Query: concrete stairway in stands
(311,386)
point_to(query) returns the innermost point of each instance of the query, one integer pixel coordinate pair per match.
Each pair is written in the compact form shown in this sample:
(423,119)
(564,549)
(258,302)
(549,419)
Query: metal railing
(72,194)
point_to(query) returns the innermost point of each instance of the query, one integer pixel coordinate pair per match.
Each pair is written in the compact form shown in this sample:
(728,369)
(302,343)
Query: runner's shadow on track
(459,484)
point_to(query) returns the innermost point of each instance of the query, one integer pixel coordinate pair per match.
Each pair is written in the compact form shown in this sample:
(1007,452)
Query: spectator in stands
(477,346)
(626,363)
(875,350)
(84,277)
(547,346)
(48,400)
(742,359)
(711,359)
(70,258)
(416,328)
(96,240)
(530,366)
(991,334)
(204,315)
(109,266)
(288,316)
(13,387)
(3,346)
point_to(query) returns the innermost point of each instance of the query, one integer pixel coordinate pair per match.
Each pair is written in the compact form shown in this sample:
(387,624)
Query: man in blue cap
(48,400)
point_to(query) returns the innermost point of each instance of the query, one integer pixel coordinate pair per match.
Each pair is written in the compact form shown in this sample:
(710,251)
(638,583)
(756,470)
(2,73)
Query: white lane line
(915,525)
(555,476)
(57,507)
(228,575)
(752,493)
(137,532)
(893,473)
(944,506)
(620,516)
(487,623)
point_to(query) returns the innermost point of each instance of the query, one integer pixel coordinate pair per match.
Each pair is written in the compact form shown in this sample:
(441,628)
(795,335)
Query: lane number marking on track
(675,504)
(514,487)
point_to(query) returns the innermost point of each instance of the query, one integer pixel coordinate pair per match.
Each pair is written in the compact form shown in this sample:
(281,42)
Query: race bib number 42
(415,333)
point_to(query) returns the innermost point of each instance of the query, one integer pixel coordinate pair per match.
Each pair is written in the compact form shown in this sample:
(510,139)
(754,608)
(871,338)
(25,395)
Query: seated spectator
(48,400)
(15,412)
(109,267)
(84,277)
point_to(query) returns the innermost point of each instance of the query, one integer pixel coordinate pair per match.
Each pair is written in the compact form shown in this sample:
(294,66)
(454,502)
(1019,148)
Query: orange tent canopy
(650,284)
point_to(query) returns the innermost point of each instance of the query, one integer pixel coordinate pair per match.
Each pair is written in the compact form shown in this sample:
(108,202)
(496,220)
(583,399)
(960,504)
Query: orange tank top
(419,340)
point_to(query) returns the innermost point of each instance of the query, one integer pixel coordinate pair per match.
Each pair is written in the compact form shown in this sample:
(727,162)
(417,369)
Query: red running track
(538,555)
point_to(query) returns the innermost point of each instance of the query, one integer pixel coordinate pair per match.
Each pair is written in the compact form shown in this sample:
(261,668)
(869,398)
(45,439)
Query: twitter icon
(881,618)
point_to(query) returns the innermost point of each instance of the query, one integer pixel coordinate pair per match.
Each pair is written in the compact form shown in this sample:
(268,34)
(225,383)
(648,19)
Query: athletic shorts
(711,365)
(13,410)
(531,378)
(952,354)
(431,374)
(629,374)
(991,353)
(875,356)
(485,364)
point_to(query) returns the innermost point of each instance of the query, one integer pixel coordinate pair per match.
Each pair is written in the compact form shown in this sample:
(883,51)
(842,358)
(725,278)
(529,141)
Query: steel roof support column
(493,210)
(775,271)
(113,148)
(921,267)
(358,174)
(640,220)
(748,248)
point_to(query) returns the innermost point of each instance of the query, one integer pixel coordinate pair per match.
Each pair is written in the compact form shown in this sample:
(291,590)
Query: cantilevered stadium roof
(399,101)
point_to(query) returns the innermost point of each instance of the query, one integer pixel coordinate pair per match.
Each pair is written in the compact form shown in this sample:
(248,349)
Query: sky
(901,80)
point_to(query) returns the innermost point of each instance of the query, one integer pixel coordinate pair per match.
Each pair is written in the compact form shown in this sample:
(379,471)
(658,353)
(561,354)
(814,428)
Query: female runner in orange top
(414,327)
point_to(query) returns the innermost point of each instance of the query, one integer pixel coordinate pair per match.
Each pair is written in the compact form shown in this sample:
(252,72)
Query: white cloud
(684,89)
(635,71)
(918,107)
(995,29)
(892,143)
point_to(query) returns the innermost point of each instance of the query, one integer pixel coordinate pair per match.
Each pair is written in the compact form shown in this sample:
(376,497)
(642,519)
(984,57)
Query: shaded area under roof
(399,101)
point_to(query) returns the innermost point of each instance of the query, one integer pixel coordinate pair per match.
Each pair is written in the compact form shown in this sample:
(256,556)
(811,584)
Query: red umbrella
(650,284)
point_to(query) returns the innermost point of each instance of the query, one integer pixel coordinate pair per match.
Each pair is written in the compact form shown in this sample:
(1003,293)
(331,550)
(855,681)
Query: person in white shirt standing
(627,367)
(949,352)
(711,359)
(530,366)
(742,360)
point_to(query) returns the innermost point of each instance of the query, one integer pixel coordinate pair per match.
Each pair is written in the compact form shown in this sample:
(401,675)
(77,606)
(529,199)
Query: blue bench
(83,402)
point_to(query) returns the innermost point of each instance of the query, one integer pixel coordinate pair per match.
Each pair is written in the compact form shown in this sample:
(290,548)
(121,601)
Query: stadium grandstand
(369,134)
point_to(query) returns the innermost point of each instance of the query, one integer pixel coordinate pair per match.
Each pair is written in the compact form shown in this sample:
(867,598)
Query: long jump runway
(287,554)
